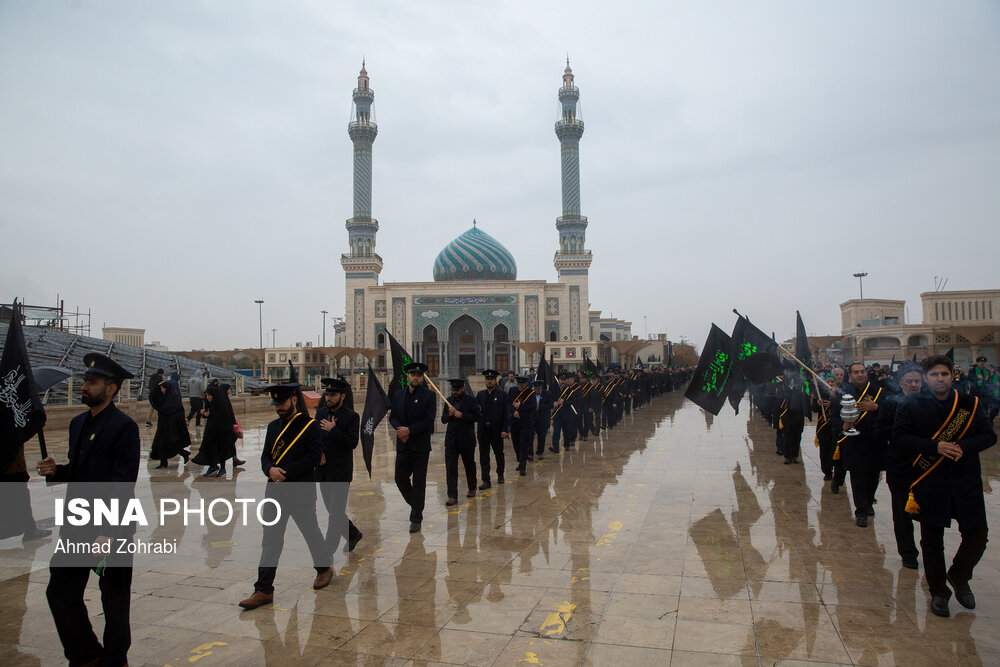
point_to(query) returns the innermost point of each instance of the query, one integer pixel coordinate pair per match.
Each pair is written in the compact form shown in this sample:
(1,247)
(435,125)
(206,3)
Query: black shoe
(414,527)
(910,562)
(779,452)
(162,465)
(870,512)
(222,472)
(795,460)
(540,457)
(834,488)
(531,458)
(571,444)
(485,485)
(788,461)
(35,533)
(352,541)
(939,606)
(211,472)
(861,522)
(238,462)
(962,593)
(522,472)
(827,477)
(185,455)
(553,450)
(500,479)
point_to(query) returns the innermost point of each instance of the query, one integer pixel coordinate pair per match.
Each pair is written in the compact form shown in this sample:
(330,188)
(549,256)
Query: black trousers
(541,430)
(969,552)
(65,596)
(451,455)
(587,422)
(564,426)
(792,440)
(298,502)
(863,487)
(902,523)
(411,480)
(197,403)
(489,439)
(335,496)
(825,438)
(523,444)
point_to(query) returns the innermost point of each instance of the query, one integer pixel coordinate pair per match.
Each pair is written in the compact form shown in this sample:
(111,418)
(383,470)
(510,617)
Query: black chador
(460,418)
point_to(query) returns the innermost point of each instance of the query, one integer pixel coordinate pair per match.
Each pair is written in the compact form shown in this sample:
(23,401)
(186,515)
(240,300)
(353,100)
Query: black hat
(538,383)
(101,366)
(906,367)
(457,383)
(335,386)
(490,373)
(980,358)
(415,367)
(159,371)
(282,392)
(523,379)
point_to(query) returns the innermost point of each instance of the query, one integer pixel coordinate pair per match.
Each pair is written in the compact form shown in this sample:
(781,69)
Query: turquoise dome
(475,255)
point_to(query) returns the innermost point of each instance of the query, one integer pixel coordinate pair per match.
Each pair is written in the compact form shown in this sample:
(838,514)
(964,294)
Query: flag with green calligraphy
(710,383)
(400,358)
(803,379)
(755,360)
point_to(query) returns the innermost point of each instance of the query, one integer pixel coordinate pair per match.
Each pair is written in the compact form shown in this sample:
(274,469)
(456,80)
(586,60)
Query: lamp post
(274,333)
(861,285)
(260,319)
(324,326)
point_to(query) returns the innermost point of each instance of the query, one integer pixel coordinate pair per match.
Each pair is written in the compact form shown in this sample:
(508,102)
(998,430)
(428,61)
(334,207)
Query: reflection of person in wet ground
(945,431)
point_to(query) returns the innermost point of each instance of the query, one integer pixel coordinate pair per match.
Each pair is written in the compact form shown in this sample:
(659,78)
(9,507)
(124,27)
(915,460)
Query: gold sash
(865,413)
(280,448)
(955,425)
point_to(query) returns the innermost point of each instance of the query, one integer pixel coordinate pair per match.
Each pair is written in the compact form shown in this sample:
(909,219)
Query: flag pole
(438,392)
(41,443)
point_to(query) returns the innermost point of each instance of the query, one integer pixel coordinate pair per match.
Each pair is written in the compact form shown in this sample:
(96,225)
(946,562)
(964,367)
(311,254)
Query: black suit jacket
(492,410)
(301,458)
(460,431)
(339,444)
(109,452)
(416,411)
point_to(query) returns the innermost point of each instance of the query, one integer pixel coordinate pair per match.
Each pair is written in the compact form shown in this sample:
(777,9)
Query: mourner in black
(521,416)
(172,436)
(412,415)
(863,454)
(565,414)
(341,428)
(944,432)
(103,447)
(824,436)
(293,447)
(491,429)
(543,414)
(460,415)
(898,467)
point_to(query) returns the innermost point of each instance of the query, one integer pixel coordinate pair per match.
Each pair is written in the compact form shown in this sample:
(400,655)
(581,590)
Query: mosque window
(552,335)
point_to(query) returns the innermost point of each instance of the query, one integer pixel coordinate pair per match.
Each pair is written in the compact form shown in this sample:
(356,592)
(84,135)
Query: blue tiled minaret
(572,261)
(361,265)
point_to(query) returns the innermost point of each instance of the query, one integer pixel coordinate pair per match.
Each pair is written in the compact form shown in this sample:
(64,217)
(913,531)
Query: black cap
(282,392)
(335,386)
(415,367)
(538,383)
(159,371)
(101,366)
(490,373)
(980,358)
(457,383)
(523,379)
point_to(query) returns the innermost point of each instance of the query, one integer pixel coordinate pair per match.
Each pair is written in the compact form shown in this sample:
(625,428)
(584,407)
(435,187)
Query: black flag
(710,382)
(950,354)
(804,353)
(400,359)
(376,406)
(589,368)
(22,414)
(545,374)
(755,360)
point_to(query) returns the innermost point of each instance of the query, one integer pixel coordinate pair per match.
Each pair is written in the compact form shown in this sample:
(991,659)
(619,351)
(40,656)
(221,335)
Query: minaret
(572,260)
(361,265)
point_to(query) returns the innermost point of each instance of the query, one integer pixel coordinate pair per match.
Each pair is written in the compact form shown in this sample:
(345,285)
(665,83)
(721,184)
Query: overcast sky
(166,163)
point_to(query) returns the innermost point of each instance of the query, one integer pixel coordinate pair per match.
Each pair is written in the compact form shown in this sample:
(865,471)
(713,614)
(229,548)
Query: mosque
(476,314)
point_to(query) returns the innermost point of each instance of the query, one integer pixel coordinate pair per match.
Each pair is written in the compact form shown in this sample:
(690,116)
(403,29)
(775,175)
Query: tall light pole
(324,326)
(274,333)
(645,326)
(861,285)
(260,319)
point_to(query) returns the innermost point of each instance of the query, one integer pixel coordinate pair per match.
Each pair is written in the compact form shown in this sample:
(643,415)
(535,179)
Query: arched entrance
(501,348)
(465,345)
(432,351)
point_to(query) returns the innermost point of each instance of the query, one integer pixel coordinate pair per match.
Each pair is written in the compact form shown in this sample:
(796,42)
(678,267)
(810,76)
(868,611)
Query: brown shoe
(323,579)
(258,599)
(471,493)
(451,501)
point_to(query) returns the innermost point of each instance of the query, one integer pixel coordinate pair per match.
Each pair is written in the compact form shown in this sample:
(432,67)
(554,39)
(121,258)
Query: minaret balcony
(364,94)
(361,264)
(362,131)
(569,129)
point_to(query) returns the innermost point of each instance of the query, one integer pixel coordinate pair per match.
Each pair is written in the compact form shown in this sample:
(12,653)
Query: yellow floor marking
(204,650)
(366,493)
(227,543)
(555,623)
(530,657)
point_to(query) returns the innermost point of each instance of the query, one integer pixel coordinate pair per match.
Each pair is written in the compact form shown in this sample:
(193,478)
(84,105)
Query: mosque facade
(476,312)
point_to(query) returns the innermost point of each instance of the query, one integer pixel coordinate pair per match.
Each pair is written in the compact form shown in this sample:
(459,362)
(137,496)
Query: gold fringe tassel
(911,505)
(836,453)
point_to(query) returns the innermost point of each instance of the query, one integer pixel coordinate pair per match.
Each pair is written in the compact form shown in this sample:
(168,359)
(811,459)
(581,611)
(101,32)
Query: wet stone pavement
(675,539)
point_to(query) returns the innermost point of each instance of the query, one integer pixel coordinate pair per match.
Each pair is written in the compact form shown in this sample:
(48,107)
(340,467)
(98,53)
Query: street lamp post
(260,319)
(861,285)
(324,326)
(274,333)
